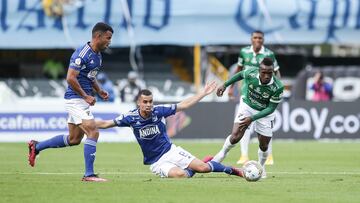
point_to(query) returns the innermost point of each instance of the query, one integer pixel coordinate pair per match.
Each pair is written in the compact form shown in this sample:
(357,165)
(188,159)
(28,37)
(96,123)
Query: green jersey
(263,98)
(248,58)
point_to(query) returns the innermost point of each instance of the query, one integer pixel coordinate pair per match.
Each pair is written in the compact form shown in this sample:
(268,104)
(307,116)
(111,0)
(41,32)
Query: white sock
(244,143)
(220,156)
(262,157)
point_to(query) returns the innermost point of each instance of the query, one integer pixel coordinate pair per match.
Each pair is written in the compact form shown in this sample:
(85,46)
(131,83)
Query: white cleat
(263,175)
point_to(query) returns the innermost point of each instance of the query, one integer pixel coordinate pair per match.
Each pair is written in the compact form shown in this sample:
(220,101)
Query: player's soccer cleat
(237,172)
(93,178)
(263,175)
(207,158)
(32,152)
(242,159)
(270,160)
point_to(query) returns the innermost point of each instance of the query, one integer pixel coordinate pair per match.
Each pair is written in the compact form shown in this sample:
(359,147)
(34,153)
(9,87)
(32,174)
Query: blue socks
(218,167)
(89,155)
(190,173)
(54,142)
(63,141)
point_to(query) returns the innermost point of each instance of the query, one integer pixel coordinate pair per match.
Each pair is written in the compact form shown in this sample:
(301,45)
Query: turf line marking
(147,173)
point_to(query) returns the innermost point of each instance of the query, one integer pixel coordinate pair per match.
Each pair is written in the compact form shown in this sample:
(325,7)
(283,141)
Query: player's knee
(263,147)
(74,141)
(178,174)
(204,168)
(93,134)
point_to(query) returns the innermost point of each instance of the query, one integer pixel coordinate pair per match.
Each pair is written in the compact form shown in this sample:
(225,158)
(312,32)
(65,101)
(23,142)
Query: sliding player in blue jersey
(85,63)
(148,125)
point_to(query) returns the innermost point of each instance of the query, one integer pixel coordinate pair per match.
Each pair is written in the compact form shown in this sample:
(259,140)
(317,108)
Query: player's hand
(220,91)
(104,94)
(209,87)
(90,100)
(245,123)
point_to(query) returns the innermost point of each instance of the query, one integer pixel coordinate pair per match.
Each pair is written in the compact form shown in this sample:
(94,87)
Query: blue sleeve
(328,87)
(76,62)
(122,121)
(166,110)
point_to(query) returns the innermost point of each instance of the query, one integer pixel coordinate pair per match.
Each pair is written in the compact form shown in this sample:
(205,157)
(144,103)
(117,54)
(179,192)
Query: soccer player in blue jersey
(148,125)
(85,63)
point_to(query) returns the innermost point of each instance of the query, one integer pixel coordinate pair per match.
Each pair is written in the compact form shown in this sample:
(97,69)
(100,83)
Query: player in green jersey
(261,93)
(250,57)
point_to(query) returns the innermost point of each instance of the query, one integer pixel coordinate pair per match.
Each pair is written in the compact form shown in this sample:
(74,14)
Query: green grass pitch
(303,172)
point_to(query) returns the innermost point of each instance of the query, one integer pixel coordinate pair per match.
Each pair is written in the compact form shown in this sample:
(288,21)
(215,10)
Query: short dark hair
(267,61)
(145,92)
(257,31)
(101,27)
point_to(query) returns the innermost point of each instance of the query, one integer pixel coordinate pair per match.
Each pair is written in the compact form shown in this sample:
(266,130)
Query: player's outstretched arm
(208,89)
(238,76)
(232,86)
(103,124)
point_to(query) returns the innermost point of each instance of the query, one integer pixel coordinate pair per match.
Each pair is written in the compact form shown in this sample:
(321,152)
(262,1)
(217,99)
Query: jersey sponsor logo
(149,132)
(92,74)
(257,103)
(265,95)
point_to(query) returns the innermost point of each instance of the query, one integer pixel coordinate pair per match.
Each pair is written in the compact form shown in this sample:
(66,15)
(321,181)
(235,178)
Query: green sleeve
(267,111)
(277,97)
(276,65)
(238,76)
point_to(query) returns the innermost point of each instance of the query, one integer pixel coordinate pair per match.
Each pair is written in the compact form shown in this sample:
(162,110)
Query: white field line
(144,173)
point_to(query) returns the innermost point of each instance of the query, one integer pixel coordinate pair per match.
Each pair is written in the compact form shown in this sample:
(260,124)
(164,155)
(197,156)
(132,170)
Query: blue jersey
(87,63)
(151,132)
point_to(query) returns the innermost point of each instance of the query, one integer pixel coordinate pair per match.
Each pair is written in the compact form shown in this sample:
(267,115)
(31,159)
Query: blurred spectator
(130,88)
(322,90)
(53,69)
(107,85)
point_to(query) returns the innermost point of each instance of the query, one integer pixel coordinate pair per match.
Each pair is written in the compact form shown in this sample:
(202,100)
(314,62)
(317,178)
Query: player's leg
(236,133)
(59,141)
(263,151)
(229,143)
(244,147)
(263,128)
(212,166)
(270,159)
(76,134)
(177,172)
(89,127)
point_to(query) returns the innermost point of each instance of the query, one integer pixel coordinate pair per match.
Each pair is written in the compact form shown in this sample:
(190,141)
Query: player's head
(101,35)
(266,70)
(257,39)
(145,101)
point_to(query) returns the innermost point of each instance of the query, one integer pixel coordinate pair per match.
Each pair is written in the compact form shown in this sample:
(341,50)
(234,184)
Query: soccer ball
(252,171)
